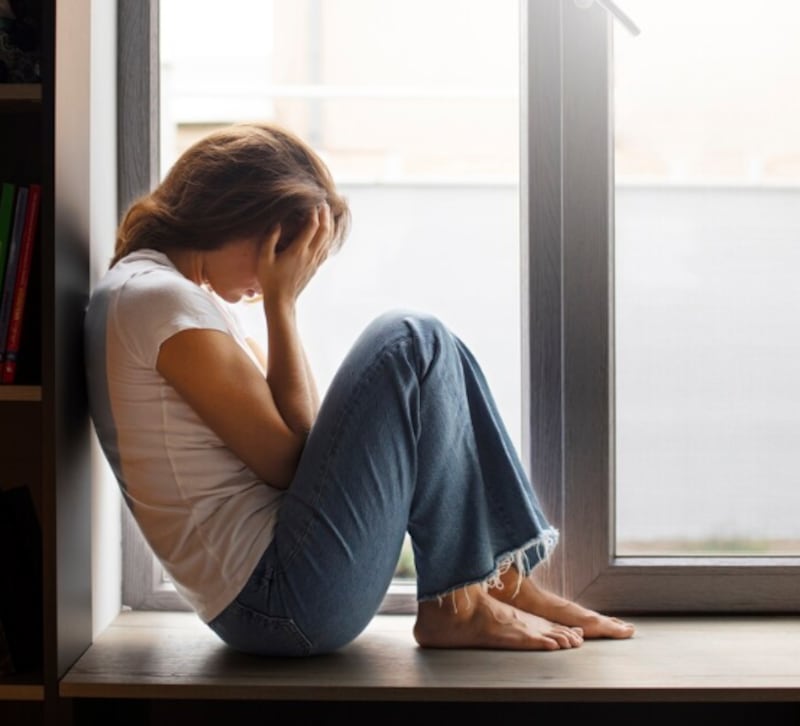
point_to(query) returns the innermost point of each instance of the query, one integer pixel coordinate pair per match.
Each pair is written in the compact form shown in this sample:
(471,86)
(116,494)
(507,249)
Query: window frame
(568,219)
(144,586)
(567,367)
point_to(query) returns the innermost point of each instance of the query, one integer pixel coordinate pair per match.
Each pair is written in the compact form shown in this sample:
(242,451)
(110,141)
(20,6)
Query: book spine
(6,216)
(11,267)
(21,286)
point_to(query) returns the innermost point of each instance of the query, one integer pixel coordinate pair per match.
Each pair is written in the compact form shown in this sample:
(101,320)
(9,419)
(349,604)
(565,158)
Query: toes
(624,624)
(576,634)
(567,637)
(619,628)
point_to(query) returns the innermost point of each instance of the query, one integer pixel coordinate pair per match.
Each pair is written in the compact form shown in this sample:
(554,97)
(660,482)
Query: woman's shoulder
(143,275)
(145,288)
(146,268)
(144,299)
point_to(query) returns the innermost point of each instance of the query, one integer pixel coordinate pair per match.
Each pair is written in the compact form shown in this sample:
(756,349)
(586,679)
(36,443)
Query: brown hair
(239,181)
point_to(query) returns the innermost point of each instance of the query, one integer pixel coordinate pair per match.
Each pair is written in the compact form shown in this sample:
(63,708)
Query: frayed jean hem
(543,545)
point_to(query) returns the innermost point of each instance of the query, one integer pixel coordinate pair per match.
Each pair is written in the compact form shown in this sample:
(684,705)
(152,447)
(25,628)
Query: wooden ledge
(168,655)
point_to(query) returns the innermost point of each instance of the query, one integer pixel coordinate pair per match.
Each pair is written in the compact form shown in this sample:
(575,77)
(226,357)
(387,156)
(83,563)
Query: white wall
(106,536)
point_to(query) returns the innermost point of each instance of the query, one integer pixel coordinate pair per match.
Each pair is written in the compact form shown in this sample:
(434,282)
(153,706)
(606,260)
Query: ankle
(456,605)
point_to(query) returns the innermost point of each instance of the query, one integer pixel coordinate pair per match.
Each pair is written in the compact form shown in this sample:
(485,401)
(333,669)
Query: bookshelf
(21,152)
(44,432)
(20,94)
(20,393)
(22,161)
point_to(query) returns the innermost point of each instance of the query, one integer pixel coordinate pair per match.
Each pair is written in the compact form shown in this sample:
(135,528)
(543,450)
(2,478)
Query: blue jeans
(408,439)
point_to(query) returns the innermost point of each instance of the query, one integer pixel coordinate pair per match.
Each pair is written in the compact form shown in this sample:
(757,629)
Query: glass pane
(414,105)
(707,300)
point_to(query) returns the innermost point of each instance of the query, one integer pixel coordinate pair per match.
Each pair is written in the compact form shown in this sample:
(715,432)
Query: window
(662,174)
(424,144)
(707,164)
(615,392)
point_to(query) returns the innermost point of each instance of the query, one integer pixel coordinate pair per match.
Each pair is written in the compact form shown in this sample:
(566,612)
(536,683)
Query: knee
(420,337)
(397,323)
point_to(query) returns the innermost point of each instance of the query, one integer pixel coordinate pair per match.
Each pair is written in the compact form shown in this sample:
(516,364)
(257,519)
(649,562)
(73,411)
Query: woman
(281,520)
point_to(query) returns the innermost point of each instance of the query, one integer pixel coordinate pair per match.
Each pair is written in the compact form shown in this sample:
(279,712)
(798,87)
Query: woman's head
(238,182)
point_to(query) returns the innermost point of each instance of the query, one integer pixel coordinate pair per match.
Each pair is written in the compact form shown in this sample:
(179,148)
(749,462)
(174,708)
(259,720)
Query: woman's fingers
(286,270)
(322,235)
(267,252)
(316,234)
(272,241)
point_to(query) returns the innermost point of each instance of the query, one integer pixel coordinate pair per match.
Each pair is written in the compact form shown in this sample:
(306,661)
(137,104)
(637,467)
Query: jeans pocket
(251,631)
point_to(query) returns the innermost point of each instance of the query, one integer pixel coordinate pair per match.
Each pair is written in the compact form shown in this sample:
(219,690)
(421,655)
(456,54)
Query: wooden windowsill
(169,655)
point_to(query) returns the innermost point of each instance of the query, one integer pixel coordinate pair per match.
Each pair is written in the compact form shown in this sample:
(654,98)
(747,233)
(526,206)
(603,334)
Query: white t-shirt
(207,516)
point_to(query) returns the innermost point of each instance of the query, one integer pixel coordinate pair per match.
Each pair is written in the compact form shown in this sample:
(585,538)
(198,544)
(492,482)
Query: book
(10,277)
(14,333)
(6,217)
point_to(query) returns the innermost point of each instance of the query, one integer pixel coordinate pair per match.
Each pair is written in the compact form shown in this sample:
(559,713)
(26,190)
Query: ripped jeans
(408,439)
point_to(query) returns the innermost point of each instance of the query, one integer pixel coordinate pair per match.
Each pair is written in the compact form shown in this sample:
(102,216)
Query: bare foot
(471,618)
(533,599)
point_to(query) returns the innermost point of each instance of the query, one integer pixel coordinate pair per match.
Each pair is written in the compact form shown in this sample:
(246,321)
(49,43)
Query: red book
(10,275)
(21,284)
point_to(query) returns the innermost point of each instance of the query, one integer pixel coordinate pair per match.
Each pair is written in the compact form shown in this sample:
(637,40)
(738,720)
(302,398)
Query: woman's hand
(284,273)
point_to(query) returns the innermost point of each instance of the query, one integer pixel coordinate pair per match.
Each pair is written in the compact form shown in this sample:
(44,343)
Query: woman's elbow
(279,470)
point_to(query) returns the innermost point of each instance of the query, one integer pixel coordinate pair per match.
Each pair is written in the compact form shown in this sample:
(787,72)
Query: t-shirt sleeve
(154,306)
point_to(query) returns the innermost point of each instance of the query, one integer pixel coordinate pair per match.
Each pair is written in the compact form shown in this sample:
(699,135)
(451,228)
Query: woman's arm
(261,356)
(288,373)
(218,380)
(264,422)
(283,276)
